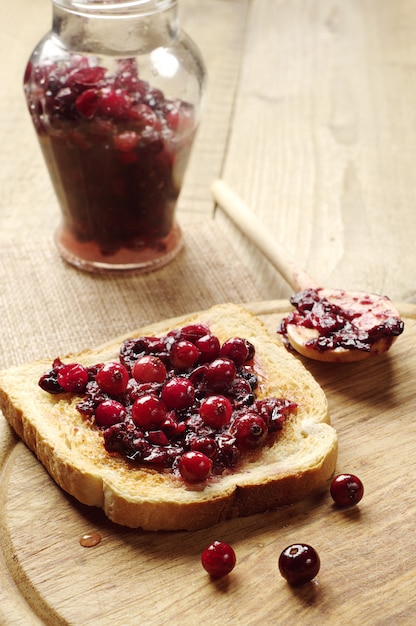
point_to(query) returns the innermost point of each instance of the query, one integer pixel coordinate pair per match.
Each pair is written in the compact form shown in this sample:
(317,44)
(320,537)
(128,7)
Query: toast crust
(298,463)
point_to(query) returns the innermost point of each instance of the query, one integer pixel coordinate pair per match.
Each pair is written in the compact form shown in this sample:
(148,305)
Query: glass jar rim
(109,8)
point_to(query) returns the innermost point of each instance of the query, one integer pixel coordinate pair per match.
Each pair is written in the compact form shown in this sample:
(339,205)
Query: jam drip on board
(184,402)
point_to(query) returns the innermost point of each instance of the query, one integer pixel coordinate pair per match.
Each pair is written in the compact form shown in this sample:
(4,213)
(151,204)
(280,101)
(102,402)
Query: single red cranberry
(216,411)
(73,377)
(220,374)
(218,559)
(114,104)
(178,393)
(346,490)
(149,369)
(87,103)
(209,348)
(299,564)
(195,467)
(144,116)
(250,430)
(206,445)
(148,412)
(184,355)
(235,349)
(109,412)
(112,378)
(193,332)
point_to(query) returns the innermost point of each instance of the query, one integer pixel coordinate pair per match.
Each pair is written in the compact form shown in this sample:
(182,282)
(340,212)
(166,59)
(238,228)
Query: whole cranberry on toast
(179,425)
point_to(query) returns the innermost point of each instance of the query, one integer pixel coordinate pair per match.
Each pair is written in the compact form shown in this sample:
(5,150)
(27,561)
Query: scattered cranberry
(112,378)
(109,412)
(149,369)
(72,377)
(218,559)
(299,564)
(195,467)
(216,411)
(346,490)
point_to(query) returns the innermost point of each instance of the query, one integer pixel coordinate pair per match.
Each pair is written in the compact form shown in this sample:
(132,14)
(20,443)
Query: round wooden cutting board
(130,577)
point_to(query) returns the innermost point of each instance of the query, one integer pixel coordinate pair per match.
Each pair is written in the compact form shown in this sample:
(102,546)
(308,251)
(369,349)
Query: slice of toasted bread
(299,462)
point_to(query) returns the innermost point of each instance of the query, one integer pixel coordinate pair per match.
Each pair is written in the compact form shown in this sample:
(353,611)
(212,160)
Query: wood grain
(367,552)
(322,140)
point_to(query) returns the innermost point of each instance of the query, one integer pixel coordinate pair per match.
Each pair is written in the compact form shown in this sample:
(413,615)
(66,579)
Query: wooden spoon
(370,323)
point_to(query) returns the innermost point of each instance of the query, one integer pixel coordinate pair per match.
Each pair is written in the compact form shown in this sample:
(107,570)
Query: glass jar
(115,91)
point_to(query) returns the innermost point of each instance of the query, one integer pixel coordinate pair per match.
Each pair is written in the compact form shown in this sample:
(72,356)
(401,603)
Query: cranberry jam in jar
(115,92)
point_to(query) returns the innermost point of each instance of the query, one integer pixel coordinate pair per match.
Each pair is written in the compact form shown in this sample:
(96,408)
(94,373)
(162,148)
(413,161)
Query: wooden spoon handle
(246,222)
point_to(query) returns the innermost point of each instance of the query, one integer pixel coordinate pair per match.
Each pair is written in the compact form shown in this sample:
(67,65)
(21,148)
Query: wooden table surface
(310,116)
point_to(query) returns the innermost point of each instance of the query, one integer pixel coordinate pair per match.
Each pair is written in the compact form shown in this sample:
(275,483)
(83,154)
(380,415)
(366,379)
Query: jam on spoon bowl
(333,325)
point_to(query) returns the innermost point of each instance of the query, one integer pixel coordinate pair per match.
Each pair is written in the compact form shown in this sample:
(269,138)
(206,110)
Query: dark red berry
(250,430)
(112,378)
(216,411)
(218,559)
(158,437)
(109,412)
(148,412)
(195,467)
(220,374)
(49,382)
(206,445)
(178,393)
(149,369)
(193,332)
(72,377)
(171,426)
(114,104)
(346,490)
(184,355)
(209,348)
(235,349)
(299,564)
(87,103)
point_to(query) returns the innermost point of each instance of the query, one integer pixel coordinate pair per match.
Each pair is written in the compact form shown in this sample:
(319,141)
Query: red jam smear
(337,327)
(253,422)
(116,149)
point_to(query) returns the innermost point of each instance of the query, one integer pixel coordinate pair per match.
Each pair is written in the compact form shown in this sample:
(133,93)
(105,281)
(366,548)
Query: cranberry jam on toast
(179,425)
